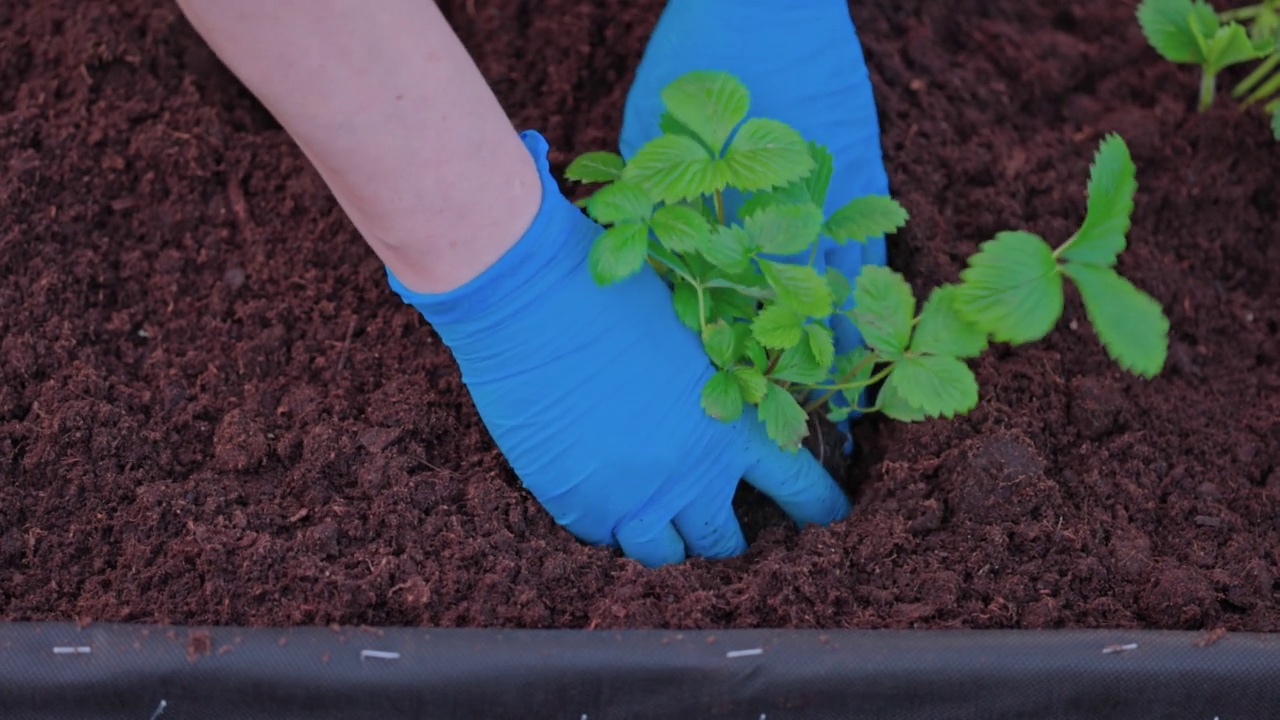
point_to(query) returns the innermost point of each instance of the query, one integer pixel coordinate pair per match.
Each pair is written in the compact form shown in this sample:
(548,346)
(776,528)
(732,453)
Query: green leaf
(595,167)
(685,299)
(619,252)
(672,168)
(731,304)
(784,420)
(1266,26)
(839,413)
(741,336)
(728,248)
(720,342)
(841,288)
(755,352)
(1112,184)
(784,229)
(939,386)
(1129,323)
(885,309)
(893,405)
(1265,29)
(1167,25)
(722,397)
(756,202)
(751,282)
(709,103)
(846,363)
(1264,39)
(668,264)
(778,326)
(680,228)
(619,202)
(941,330)
(798,364)
(1203,20)
(866,217)
(799,287)
(819,181)
(808,190)
(751,382)
(822,344)
(1012,289)
(671,126)
(1230,45)
(765,154)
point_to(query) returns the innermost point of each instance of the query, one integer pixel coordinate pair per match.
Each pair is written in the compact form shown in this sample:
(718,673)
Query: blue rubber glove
(803,64)
(593,395)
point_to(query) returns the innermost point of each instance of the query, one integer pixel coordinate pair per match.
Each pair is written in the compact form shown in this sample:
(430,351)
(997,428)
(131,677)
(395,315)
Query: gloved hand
(593,395)
(803,64)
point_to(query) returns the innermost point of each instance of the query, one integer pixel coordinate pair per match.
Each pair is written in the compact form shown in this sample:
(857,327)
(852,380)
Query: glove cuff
(808,18)
(554,246)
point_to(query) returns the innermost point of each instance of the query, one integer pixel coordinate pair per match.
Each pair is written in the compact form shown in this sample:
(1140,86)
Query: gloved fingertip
(800,486)
(846,430)
(711,530)
(650,542)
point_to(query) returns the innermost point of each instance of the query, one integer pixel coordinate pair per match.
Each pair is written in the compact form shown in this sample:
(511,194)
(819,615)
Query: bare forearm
(385,101)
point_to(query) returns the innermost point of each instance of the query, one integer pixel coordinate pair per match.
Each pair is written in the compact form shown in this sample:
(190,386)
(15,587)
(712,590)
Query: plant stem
(1057,253)
(773,362)
(1208,83)
(659,253)
(1263,91)
(756,293)
(702,309)
(1256,76)
(854,384)
(869,360)
(719,207)
(1245,13)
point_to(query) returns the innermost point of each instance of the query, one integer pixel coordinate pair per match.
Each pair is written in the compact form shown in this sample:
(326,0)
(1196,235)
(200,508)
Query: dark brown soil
(213,409)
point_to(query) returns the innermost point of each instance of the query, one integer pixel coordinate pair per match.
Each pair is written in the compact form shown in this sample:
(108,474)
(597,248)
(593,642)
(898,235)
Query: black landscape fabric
(148,672)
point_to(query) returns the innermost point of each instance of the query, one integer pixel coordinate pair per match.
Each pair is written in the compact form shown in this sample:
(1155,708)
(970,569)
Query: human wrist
(441,232)
(552,249)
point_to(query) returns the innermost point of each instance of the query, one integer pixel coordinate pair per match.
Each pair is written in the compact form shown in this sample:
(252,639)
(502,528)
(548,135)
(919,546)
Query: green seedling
(751,287)
(1192,32)
(1012,288)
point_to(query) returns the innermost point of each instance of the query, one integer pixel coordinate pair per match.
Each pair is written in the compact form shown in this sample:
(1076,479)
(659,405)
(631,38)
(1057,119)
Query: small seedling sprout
(1192,32)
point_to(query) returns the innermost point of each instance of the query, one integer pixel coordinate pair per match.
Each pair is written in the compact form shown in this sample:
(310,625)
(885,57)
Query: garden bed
(214,411)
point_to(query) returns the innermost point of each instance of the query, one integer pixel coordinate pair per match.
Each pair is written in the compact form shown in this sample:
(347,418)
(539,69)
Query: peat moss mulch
(213,409)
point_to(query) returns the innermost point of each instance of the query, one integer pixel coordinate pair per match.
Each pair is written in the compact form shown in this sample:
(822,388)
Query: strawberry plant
(1192,32)
(749,285)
